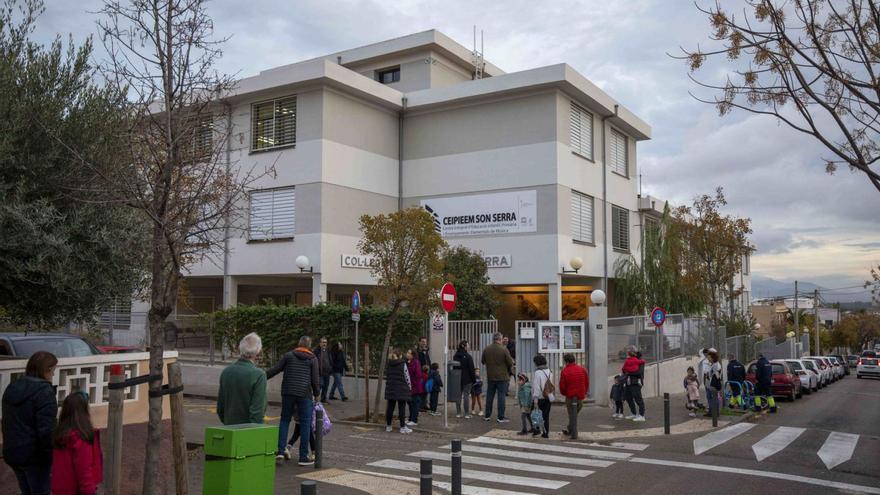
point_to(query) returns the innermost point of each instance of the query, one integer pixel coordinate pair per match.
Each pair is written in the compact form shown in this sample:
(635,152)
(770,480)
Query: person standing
(424,358)
(436,386)
(300,388)
(398,390)
(543,392)
(511,347)
(633,369)
(477,393)
(763,381)
(618,393)
(242,395)
(468,377)
(703,371)
(574,383)
(325,367)
(29,410)
(714,382)
(499,366)
(77,460)
(526,403)
(417,387)
(340,366)
(736,375)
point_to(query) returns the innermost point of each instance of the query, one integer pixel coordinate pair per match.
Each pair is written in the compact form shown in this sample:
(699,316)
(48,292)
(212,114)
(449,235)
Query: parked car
(868,366)
(23,345)
(813,368)
(783,382)
(836,366)
(824,371)
(809,379)
(117,349)
(843,363)
(852,361)
(834,372)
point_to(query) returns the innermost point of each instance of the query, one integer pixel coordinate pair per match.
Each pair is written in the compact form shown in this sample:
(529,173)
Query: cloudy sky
(807,225)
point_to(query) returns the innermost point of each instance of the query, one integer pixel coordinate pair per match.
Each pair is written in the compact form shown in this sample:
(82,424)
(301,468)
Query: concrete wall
(672,372)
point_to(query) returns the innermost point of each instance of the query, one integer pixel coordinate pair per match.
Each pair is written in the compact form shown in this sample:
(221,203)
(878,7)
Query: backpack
(429,385)
(548,389)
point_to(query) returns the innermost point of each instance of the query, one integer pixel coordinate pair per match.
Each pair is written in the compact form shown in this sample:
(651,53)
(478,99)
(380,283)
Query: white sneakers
(467,416)
(639,418)
(287,454)
(617,416)
(459,415)
(388,429)
(405,430)
(630,416)
(411,423)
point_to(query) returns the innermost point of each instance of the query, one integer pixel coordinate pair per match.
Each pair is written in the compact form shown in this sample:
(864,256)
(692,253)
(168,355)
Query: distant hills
(768,287)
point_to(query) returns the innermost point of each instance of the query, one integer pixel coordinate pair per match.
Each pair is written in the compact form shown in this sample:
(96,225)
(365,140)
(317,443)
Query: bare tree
(811,64)
(174,167)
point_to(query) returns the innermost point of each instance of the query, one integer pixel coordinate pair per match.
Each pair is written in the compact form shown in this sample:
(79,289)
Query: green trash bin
(240,460)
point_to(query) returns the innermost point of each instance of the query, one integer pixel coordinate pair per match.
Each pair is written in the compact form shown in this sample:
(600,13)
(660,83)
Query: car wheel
(800,393)
(858,376)
(809,390)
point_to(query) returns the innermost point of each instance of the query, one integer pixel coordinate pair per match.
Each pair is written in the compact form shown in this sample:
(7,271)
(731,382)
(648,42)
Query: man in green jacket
(499,367)
(242,395)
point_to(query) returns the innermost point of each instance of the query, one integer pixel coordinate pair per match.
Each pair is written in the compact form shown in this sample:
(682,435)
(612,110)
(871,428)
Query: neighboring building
(511,165)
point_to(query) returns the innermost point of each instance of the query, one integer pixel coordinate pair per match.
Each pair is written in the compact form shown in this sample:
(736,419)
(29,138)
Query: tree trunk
(392,319)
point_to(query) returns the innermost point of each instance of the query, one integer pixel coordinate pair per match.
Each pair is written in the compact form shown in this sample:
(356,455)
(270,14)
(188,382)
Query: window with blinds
(620,228)
(272,214)
(203,138)
(617,153)
(581,217)
(274,123)
(581,131)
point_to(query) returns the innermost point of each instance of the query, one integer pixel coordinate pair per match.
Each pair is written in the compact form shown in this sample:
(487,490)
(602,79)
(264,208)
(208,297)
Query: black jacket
(763,371)
(467,367)
(325,361)
(301,378)
(396,386)
(30,407)
(424,358)
(337,359)
(736,372)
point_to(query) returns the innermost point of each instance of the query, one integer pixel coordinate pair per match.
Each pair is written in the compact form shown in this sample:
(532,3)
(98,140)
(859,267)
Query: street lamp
(577,263)
(598,297)
(302,262)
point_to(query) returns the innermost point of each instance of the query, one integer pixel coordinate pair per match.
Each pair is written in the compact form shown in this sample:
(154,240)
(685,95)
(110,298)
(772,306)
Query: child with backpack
(433,387)
(526,403)
(477,393)
(692,387)
(617,394)
(77,460)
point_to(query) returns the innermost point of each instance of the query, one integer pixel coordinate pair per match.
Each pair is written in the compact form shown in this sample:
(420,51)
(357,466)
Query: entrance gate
(526,349)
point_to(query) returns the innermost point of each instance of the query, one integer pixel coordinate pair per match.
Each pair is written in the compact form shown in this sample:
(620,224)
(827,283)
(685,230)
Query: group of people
(411,379)
(48,452)
(627,387)
(709,376)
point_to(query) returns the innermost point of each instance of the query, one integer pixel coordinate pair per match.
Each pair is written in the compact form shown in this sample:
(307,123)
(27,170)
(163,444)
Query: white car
(813,368)
(835,366)
(809,379)
(868,366)
(824,370)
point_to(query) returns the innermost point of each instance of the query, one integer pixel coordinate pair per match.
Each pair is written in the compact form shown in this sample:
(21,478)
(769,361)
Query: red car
(784,382)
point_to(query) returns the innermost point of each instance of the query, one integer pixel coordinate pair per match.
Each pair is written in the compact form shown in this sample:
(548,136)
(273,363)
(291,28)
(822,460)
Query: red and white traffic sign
(448,297)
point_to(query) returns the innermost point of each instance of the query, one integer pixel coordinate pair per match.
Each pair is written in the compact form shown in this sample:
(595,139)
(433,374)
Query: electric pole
(797,324)
(816,317)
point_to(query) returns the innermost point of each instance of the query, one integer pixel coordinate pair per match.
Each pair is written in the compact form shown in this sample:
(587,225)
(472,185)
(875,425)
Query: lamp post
(597,357)
(302,262)
(576,264)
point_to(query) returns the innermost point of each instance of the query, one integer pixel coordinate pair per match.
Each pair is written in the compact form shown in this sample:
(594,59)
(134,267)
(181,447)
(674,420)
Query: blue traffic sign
(356,302)
(658,316)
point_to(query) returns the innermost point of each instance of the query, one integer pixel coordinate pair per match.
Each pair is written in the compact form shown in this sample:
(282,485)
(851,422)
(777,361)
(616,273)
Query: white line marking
(443,485)
(602,454)
(718,437)
(779,439)
(765,474)
(533,456)
(838,448)
(501,463)
(473,475)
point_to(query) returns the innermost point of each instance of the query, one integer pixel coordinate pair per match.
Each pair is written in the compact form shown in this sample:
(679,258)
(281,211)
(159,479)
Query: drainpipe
(605,202)
(400,117)
(226,225)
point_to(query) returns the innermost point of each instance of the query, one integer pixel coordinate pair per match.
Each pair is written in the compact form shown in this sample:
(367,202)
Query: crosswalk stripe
(777,440)
(533,456)
(838,448)
(473,475)
(718,437)
(444,485)
(515,466)
(602,454)
(618,445)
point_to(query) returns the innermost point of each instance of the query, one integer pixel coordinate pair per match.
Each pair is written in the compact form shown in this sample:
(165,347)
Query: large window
(388,76)
(274,123)
(617,153)
(203,138)
(581,217)
(272,214)
(620,228)
(581,131)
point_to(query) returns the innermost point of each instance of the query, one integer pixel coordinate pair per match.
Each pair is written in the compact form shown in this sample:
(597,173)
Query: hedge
(280,327)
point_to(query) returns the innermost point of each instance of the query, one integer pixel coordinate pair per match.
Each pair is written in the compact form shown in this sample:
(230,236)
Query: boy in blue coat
(435,382)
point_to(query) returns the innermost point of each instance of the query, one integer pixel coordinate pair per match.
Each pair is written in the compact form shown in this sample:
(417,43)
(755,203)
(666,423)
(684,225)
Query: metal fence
(742,347)
(526,349)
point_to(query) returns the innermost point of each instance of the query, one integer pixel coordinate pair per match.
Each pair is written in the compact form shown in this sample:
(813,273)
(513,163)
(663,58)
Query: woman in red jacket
(77,461)
(574,382)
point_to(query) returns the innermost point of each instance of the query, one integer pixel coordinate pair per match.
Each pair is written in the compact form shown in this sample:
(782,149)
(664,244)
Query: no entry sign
(448,297)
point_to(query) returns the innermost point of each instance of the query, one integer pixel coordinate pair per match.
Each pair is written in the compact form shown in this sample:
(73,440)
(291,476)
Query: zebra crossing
(837,448)
(499,466)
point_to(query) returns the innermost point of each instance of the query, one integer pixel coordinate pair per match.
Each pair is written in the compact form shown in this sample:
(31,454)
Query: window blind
(620,228)
(581,131)
(617,153)
(581,217)
(273,123)
(272,214)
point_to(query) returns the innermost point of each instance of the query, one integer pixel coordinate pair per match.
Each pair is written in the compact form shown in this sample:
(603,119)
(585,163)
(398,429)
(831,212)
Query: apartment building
(534,169)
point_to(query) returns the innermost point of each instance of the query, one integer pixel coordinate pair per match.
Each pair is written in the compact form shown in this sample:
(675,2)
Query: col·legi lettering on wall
(356,261)
(484,214)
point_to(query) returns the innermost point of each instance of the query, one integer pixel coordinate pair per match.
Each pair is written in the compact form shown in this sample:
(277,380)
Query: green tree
(468,272)
(713,247)
(658,278)
(861,329)
(874,284)
(406,263)
(61,258)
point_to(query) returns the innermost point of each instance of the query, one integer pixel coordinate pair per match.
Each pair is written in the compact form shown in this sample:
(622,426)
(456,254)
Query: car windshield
(870,354)
(869,362)
(809,364)
(60,347)
(795,365)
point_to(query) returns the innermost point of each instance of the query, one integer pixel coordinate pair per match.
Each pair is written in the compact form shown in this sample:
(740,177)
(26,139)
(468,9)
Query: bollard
(715,412)
(666,413)
(426,482)
(308,488)
(319,438)
(456,467)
